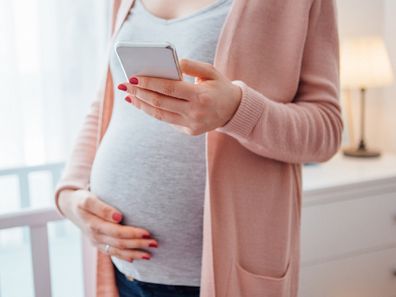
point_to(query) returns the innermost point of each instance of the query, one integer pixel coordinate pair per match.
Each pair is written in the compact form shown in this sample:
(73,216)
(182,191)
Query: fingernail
(133,80)
(122,87)
(117,217)
(146,236)
(146,257)
(153,244)
(128,99)
(130,260)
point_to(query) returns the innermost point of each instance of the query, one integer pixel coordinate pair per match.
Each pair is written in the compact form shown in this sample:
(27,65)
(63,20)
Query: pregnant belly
(158,187)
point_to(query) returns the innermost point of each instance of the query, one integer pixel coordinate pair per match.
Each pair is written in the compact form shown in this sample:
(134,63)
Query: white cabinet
(348,228)
(362,275)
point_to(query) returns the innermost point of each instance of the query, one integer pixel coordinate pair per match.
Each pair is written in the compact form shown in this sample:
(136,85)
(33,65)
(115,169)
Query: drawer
(366,275)
(343,227)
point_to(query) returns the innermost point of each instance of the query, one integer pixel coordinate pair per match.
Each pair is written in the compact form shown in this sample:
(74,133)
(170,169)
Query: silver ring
(107,248)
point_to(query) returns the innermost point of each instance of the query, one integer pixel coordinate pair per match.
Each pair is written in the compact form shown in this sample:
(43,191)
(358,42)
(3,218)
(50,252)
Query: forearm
(307,127)
(293,132)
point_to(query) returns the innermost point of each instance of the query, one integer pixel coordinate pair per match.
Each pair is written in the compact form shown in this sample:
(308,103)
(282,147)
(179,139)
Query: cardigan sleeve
(308,129)
(77,170)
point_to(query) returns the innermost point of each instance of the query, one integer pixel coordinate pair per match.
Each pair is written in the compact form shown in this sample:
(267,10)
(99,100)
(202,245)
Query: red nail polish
(117,217)
(146,236)
(122,87)
(128,99)
(153,244)
(130,260)
(146,257)
(133,80)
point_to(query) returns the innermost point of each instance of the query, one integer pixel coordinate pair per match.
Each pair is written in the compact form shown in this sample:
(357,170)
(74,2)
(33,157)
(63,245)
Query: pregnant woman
(193,187)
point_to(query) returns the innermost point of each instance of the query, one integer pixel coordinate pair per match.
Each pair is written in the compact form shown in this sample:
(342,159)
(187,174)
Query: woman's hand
(100,222)
(196,108)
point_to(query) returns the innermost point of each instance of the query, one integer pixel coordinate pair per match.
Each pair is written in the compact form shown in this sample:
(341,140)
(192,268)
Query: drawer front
(367,275)
(343,227)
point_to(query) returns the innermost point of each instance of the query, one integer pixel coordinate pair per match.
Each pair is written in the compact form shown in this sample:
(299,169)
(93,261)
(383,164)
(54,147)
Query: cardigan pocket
(244,283)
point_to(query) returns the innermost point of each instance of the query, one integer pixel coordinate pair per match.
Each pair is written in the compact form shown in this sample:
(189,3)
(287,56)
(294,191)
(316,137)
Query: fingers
(159,114)
(159,100)
(172,88)
(198,69)
(100,223)
(124,244)
(100,209)
(95,224)
(127,255)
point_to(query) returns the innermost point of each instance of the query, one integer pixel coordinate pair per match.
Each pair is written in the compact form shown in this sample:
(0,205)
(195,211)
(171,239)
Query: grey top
(152,172)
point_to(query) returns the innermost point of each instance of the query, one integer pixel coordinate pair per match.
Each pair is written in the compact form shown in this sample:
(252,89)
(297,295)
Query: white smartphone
(149,59)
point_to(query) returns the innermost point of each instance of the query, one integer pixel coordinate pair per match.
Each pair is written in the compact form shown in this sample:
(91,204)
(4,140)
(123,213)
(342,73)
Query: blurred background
(52,58)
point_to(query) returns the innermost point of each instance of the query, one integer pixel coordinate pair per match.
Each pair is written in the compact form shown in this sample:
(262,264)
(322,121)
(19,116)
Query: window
(52,60)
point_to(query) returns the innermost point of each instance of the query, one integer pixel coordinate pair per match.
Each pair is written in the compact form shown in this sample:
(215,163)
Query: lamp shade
(365,63)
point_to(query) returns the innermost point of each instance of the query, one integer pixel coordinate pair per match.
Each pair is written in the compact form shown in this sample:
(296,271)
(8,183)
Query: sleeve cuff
(247,114)
(64,186)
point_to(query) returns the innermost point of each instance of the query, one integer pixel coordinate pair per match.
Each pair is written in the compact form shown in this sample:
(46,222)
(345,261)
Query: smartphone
(149,59)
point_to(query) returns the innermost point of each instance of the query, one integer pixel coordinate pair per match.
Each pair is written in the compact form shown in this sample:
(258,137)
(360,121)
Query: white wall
(373,17)
(389,120)
(360,17)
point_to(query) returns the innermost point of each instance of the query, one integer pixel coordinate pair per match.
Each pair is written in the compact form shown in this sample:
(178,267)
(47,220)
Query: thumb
(198,69)
(94,205)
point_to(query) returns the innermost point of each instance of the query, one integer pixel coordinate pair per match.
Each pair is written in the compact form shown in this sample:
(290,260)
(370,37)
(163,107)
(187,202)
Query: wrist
(236,101)
(249,111)
(237,96)
(64,200)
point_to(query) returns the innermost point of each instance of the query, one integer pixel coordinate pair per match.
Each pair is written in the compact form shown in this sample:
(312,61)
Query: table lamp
(365,64)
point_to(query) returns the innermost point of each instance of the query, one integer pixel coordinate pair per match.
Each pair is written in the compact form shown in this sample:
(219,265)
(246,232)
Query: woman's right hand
(100,223)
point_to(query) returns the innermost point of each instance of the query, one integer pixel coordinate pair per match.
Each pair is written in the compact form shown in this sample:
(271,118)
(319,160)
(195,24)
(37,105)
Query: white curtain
(52,57)
(52,54)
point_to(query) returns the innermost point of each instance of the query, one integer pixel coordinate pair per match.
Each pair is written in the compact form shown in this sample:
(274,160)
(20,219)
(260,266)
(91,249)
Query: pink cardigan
(284,56)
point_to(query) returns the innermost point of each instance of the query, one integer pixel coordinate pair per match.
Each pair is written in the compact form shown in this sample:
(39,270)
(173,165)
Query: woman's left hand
(197,107)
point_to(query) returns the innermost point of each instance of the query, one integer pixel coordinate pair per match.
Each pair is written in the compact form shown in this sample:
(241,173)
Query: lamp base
(361,153)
